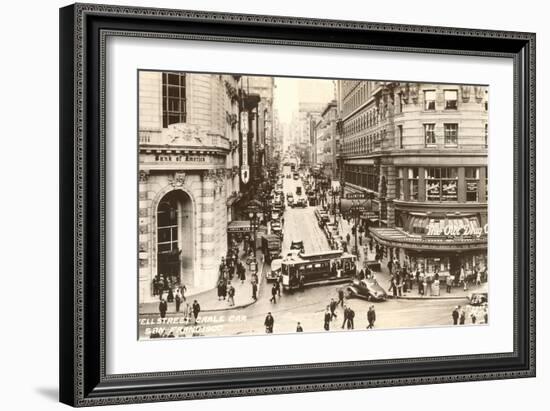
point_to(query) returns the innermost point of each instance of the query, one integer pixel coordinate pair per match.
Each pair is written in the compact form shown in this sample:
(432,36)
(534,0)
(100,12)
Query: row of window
(364,176)
(359,95)
(441,184)
(366,120)
(450,134)
(364,144)
(450,98)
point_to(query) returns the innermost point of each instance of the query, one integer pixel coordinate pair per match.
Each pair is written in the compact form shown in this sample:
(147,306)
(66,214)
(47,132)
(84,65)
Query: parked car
(365,288)
(297,245)
(478,299)
(322,217)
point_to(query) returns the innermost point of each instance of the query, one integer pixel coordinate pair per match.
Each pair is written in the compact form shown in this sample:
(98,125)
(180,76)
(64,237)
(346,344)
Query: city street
(308,308)
(301,224)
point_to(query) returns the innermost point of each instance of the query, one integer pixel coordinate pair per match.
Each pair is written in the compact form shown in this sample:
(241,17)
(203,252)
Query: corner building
(419,151)
(188,168)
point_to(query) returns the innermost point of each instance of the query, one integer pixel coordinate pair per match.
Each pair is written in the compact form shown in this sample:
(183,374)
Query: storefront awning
(394,237)
(239,227)
(362,205)
(455,225)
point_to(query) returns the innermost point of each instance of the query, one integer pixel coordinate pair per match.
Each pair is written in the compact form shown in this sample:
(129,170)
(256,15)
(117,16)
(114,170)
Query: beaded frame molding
(84,29)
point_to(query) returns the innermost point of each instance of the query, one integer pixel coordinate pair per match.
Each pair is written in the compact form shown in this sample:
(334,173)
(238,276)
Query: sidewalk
(384,277)
(209,301)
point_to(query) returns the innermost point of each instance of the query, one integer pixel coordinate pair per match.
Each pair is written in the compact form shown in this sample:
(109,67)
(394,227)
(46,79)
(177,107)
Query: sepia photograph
(285,205)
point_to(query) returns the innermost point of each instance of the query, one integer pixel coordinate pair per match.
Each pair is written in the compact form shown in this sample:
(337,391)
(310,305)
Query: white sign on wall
(245,171)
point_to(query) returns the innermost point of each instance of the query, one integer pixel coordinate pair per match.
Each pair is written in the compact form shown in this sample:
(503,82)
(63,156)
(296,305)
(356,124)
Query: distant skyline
(289,92)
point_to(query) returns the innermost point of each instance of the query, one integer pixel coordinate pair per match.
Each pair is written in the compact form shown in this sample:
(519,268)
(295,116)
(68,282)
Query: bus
(326,267)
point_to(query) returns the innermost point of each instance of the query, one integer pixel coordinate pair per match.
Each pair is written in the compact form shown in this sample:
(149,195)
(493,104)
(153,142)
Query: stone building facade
(419,152)
(326,140)
(263,134)
(188,169)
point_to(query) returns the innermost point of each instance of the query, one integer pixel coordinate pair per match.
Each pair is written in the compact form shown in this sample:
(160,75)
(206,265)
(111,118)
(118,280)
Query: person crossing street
(333,304)
(371,317)
(230,294)
(327,318)
(268,323)
(273,298)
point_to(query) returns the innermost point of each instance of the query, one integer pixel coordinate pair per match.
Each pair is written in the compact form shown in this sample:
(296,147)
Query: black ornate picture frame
(83,32)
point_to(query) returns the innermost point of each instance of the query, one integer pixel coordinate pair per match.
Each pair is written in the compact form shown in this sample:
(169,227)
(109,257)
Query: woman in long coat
(221,290)
(163,307)
(242,275)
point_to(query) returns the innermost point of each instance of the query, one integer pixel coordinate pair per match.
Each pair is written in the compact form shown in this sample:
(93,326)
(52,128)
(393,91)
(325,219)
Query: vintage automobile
(276,227)
(322,217)
(365,288)
(275,271)
(297,245)
(478,299)
(301,202)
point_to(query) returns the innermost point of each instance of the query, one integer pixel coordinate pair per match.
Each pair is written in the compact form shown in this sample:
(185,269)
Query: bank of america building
(419,152)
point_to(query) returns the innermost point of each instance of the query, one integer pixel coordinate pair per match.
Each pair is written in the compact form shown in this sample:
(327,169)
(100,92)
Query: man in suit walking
(371,317)
(456,314)
(269,322)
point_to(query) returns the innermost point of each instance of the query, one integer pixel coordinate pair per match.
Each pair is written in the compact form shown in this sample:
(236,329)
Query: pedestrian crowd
(476,317)
(330,315)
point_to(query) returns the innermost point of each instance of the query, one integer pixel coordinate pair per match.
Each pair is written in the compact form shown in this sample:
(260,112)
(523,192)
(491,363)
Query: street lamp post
(356,223)
(253,222)
(334,193)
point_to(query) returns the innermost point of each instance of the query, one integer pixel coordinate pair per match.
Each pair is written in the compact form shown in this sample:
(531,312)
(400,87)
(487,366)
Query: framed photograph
(261,204)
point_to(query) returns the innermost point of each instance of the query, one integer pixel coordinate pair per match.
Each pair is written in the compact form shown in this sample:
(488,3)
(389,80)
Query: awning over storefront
(456,225)
(394,237)
(362,205)
(239,227)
